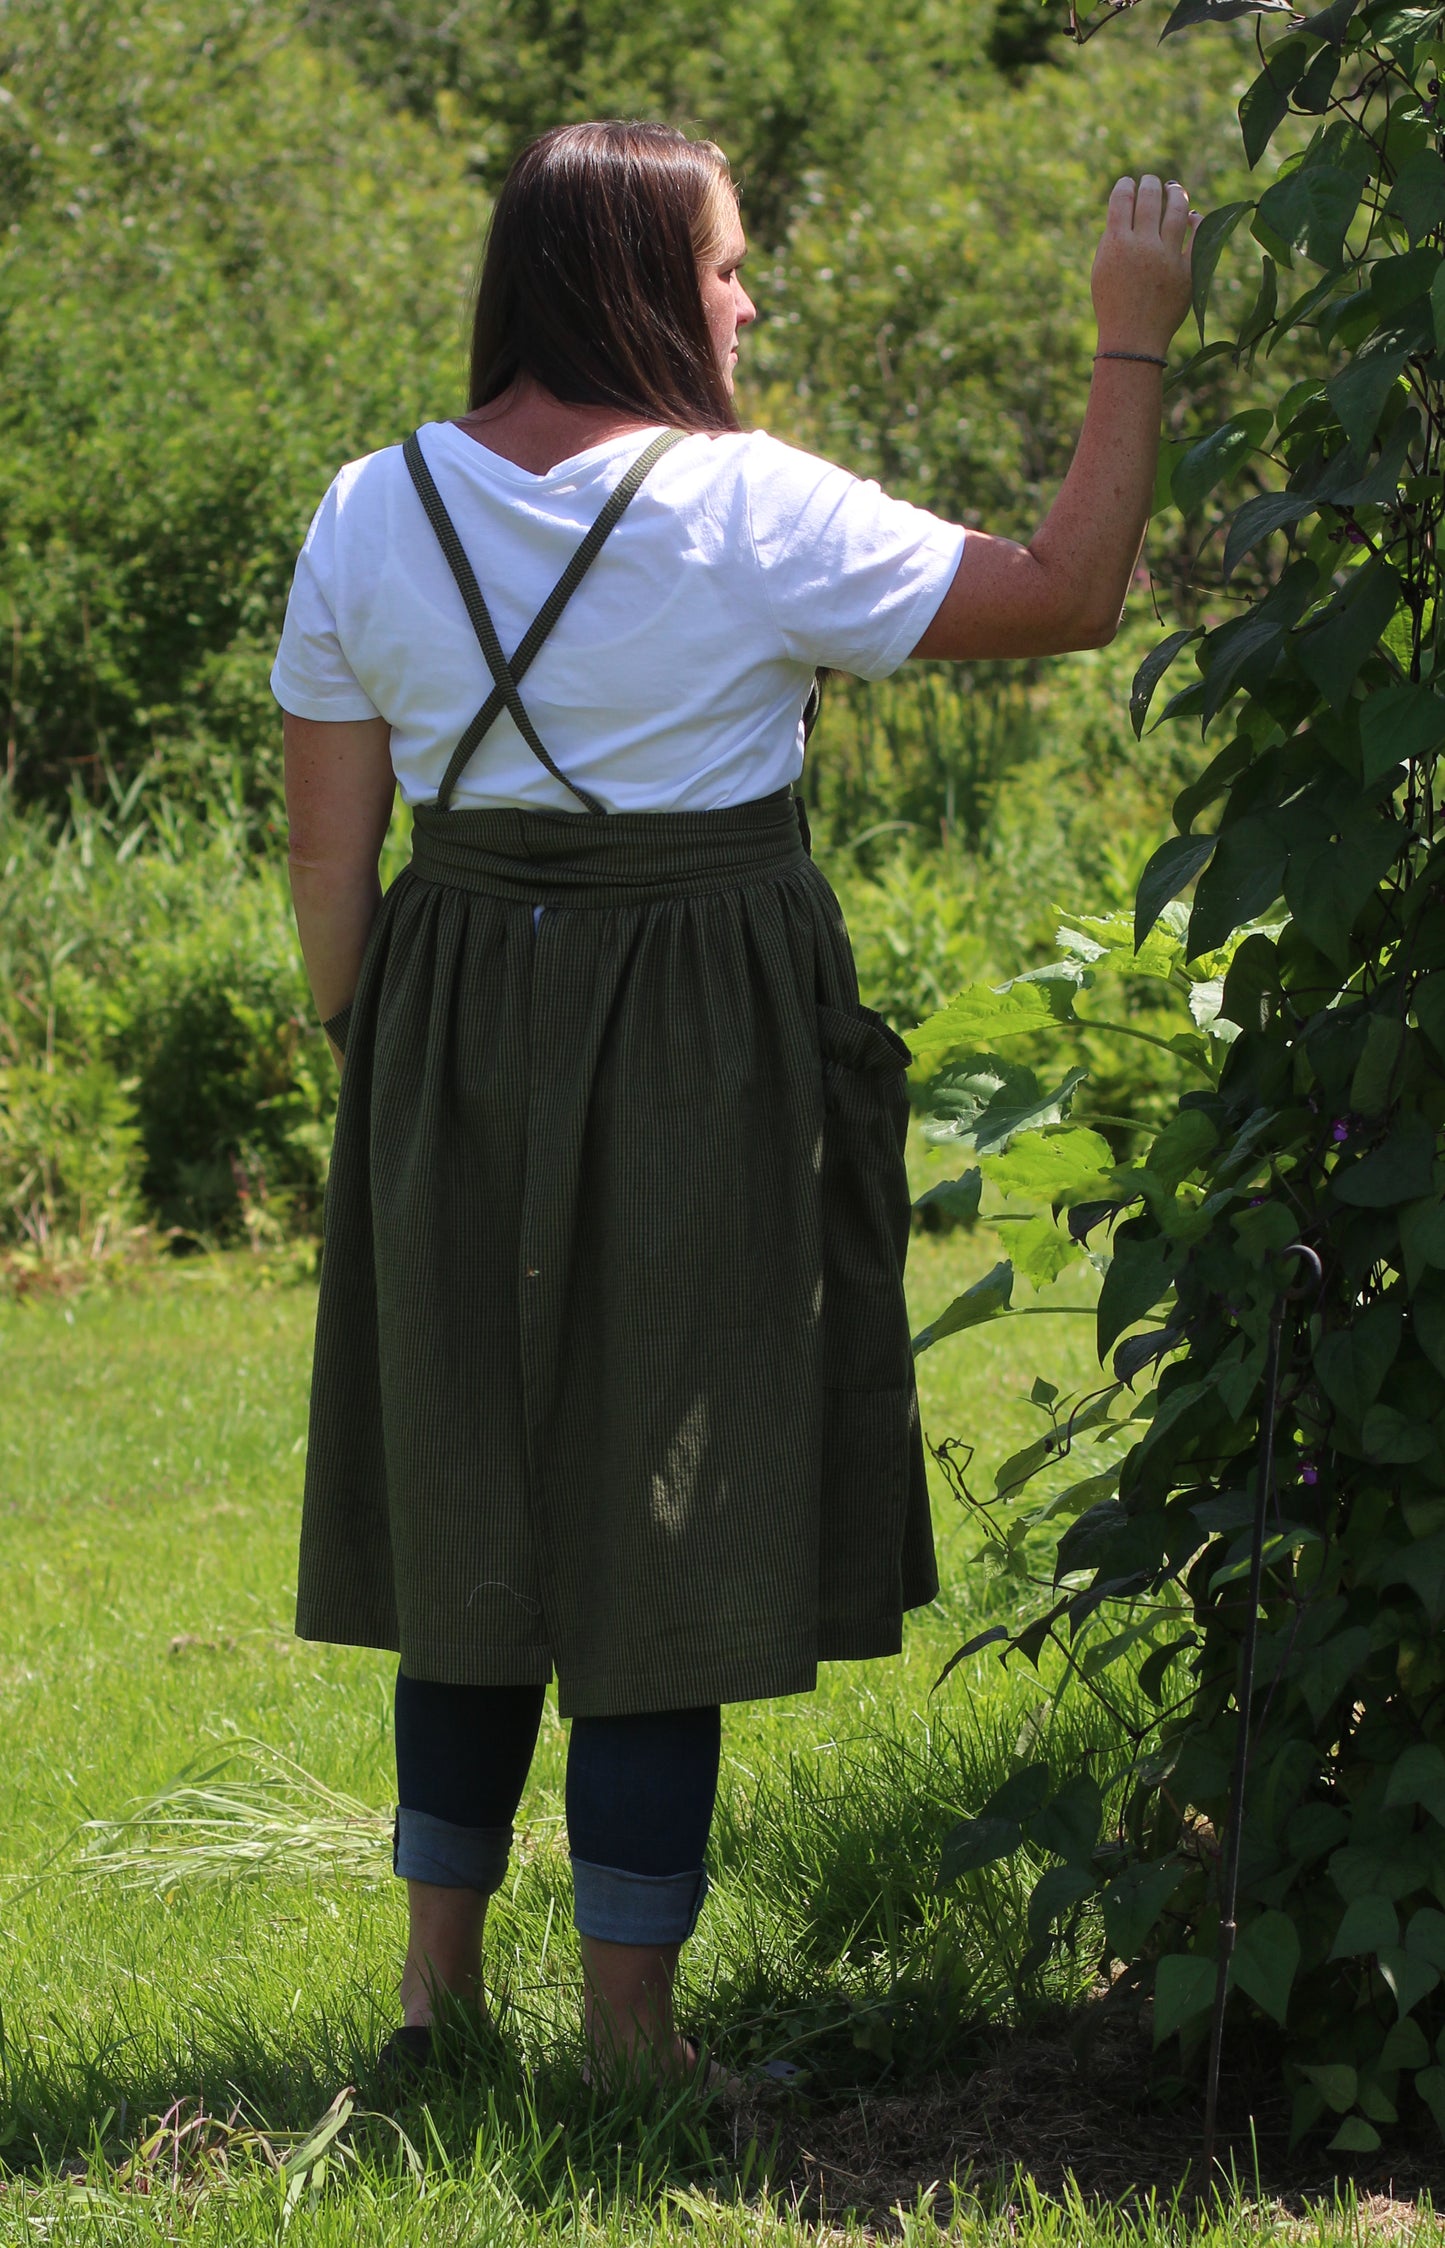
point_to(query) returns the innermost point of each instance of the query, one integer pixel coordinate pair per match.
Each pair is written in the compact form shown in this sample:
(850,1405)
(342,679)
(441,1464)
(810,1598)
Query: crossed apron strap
(504,695)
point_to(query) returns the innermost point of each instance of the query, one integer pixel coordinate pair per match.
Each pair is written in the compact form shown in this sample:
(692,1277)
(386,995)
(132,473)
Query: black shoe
(407,2056)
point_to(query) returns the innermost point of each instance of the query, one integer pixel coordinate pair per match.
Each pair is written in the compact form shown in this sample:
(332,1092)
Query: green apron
(612,1369)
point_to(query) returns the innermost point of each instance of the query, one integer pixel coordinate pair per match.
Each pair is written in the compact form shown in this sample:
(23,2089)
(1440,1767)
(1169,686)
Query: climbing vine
(1244,1523)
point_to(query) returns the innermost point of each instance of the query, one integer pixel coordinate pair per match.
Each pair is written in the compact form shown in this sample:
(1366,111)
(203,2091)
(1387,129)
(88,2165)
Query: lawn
(151,1441)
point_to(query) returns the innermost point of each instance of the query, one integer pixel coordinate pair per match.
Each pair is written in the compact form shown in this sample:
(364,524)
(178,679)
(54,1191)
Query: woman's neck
(529,427)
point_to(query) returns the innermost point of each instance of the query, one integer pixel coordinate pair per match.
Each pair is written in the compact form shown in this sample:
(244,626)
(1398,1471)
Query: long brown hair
(590,284)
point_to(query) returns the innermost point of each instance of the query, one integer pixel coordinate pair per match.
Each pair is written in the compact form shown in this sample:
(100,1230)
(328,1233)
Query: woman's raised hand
(1141,269)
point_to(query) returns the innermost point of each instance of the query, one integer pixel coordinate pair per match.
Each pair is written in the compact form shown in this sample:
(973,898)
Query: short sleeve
(853,578)
(311,676)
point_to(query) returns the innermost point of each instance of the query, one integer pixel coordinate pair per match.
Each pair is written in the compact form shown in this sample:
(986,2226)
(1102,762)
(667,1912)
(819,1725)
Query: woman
(612,1371)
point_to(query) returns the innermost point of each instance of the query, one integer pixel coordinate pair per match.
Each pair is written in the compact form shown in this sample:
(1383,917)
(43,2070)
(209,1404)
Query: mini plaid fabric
(612,1372)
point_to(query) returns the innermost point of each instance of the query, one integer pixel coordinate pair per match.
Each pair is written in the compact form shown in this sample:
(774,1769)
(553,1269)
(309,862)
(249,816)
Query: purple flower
(1355,535)
(1309,1475)
(1340,1130)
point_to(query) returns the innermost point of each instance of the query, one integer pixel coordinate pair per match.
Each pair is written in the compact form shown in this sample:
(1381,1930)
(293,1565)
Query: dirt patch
(1062,2116)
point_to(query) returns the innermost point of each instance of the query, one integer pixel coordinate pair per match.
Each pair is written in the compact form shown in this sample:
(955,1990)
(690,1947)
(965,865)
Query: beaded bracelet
(1145,358)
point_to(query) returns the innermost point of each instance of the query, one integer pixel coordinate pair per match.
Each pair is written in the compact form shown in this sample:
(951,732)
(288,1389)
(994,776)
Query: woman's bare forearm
(339,793)
(1091,538)
(335,908)
(1065,587)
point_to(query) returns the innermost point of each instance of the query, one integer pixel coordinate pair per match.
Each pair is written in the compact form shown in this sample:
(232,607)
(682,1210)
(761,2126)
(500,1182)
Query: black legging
(640,1790)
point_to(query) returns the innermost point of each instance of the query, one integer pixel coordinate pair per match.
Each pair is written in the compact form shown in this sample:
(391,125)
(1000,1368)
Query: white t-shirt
(676,678)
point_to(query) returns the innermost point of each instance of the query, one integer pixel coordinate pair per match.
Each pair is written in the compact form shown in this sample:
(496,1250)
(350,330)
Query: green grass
(150,1458)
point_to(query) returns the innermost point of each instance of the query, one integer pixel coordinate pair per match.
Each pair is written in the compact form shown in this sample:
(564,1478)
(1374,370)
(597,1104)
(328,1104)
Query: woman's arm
(339,791)
(1066,588)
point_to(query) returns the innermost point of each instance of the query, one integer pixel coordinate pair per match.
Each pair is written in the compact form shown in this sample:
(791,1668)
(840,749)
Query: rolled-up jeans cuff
(615,1907)
(449,1857)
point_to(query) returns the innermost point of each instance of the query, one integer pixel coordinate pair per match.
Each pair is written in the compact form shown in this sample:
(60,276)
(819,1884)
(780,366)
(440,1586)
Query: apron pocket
(865,1201)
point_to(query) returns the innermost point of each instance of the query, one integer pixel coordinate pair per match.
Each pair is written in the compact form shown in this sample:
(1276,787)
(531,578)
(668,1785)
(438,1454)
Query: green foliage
(69,1154)
(1313,1124)
(227,269)
(159,1033)
(237,253)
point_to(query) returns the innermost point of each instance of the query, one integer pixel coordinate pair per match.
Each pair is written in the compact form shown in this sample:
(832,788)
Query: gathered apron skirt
(613,1374)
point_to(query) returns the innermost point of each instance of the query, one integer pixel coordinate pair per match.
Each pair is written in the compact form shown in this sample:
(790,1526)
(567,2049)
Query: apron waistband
(629,858)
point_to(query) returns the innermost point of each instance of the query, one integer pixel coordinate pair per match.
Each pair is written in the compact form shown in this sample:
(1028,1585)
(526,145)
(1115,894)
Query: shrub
(70,1155)
(148,952)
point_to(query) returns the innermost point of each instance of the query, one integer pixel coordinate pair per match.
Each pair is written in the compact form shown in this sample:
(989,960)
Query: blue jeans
(640,1794)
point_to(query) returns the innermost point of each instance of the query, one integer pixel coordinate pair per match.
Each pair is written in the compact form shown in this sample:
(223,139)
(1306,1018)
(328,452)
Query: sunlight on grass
(196,1907)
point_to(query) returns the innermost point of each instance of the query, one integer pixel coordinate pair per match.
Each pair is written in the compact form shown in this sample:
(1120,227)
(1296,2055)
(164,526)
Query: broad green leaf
(1041,1249)
(1325,1671)
(1048,1165)
(1133,1902)
(1171,870)
(1336,2082)
(1333,22)
(1069,1826)
(1394,1439)
(1154,1668)
(1211,460)
(1265,102)
(1243,877)
(990,1125)
(1330,882)
(1418,195)
(1425,1936)
(1053,1893)
(1408,1978)
(1422,1238)
(986,1299)
(983,1013)
(1171,452)
(1369,1925)
(1429,1324)
(1313,92)
(1184,1988)
(1401,281)
(1421,1567)
(1140,1272)
(1182,1146)
(1152,670)
(1399,723)
(1333,651)
(1376,1078)
(1402,1170)
(1430,2084)
(1355,2136)
(1213,232)
(1261,315)
(1359,391)
(956,1200)
(1418,1776)
(974,1843)
(1020,1795)
(1258,634)
(1266,1958)
(1352,1363)
(1257,518)
(1309,208)
(1405,2046)
(1437,308)
(1299,315)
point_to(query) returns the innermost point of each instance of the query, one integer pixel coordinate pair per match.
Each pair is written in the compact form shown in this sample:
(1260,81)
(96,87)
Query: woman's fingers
(1148,204)
(1175,221)
(1121,207)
